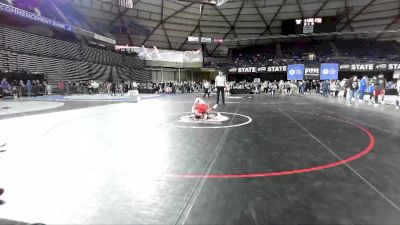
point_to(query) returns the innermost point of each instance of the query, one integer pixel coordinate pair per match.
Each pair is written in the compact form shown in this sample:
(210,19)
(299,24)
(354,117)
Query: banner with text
(259,69)
(369,67)
(329,71)
(54,23)
(295,72)
(31,16)
(311,72)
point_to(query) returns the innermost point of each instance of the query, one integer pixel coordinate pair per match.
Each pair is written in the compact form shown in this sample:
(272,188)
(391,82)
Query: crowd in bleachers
(296,50)
(255,55)
(321,51)
(367,49)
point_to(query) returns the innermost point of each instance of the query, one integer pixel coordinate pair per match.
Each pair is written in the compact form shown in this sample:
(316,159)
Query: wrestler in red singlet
(200,108)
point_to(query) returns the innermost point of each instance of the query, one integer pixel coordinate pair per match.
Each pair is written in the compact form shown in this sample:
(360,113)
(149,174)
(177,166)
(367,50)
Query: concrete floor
(277,160)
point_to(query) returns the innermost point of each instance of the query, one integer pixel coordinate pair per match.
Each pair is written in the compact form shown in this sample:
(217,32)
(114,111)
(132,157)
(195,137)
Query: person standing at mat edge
(220,82)
(206,85)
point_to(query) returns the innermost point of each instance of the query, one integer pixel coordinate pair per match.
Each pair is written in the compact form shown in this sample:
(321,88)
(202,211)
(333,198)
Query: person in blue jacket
(363,87)
(371,89)
(325,88)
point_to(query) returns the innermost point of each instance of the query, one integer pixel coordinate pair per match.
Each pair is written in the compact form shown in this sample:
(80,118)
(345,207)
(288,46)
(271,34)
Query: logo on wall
(295,72)
(381,66)
(262,69)
(345,67)
(329,71)
(233,70)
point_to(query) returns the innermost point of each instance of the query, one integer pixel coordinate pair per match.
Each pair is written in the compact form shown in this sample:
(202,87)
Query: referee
(220,81)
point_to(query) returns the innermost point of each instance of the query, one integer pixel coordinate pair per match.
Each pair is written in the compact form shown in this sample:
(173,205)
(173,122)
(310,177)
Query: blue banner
(22,13)
(329,71)
(295,72)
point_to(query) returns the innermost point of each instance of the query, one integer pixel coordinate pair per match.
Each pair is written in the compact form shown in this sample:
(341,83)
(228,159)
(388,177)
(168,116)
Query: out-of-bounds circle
(364,152)
(207,126)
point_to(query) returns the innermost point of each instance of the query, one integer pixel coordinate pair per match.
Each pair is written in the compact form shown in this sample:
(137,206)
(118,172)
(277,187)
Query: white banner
(105,39)
(155,54)
(396,74)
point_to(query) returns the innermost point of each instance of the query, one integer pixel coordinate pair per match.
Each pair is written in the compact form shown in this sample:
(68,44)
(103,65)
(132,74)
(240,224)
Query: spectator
(352,90)
(325,88)
(332,88)
(61,85)
(363,87)
(4,84)
(113,88)
(21,88)
(29,88)
(380,85)
(371,90)
(48,89)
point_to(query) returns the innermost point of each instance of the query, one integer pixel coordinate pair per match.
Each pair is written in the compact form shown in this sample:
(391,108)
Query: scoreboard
(309,25)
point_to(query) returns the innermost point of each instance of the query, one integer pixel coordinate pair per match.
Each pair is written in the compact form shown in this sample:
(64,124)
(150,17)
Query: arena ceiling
(167,23)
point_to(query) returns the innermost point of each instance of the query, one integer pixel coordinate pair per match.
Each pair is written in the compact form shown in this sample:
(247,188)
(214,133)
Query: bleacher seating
(333,51)
(254,54)
(62,60)
(367,49)
(295,50)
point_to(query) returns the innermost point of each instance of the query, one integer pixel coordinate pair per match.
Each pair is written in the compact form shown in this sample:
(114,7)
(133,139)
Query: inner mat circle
(195,125)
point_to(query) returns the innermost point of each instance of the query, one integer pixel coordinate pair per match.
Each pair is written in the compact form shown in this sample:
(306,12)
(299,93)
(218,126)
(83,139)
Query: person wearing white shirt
(134,85)
(206,85)
(220,82)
